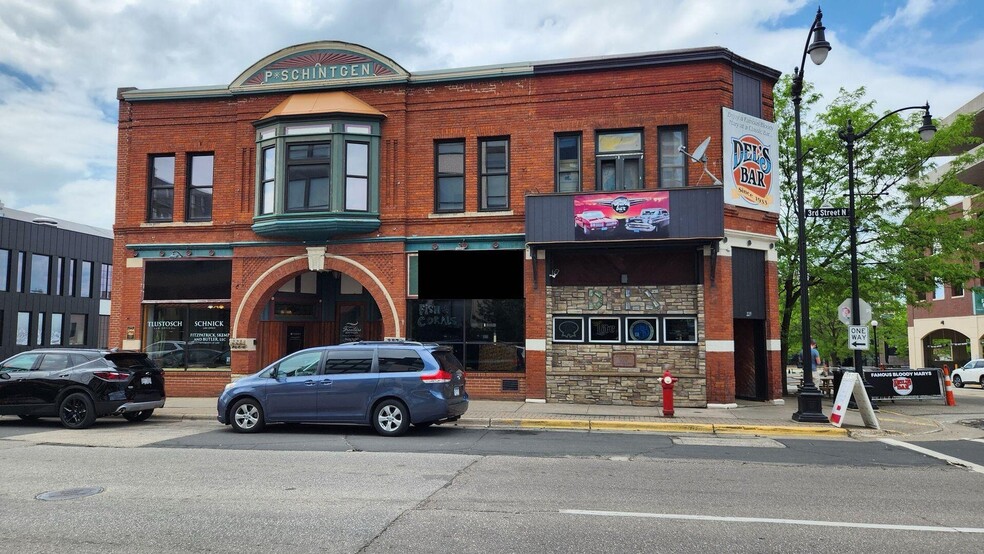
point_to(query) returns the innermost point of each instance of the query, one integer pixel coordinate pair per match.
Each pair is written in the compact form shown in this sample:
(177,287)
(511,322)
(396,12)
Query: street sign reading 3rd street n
(827,212)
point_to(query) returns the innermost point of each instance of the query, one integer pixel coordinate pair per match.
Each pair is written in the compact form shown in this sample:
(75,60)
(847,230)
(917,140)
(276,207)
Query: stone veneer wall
(583,373)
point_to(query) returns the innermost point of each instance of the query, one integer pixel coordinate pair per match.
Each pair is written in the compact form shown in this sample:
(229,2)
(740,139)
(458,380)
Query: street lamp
(926,133)
(874,331)
(809,407)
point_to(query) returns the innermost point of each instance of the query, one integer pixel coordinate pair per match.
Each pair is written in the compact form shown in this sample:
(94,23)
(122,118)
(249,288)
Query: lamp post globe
(809,407)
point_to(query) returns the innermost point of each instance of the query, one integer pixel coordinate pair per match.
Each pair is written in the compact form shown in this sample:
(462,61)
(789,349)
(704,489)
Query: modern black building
(55,283)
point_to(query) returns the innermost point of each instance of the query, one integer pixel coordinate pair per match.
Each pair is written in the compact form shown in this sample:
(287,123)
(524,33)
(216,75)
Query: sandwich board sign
(851,384)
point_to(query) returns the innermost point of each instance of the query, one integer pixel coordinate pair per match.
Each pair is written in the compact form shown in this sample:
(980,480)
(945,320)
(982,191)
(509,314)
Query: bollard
(667,381)
(950,400)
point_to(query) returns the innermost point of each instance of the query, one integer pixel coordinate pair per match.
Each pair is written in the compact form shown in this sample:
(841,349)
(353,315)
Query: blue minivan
(389,385)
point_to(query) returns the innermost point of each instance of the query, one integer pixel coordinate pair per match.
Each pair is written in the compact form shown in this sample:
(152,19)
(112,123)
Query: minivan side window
(304,363)
(395,360)
(348,361)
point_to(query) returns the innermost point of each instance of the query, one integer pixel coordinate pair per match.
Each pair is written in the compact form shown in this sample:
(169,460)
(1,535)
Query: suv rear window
(127,360)
(447,360)
(395,360)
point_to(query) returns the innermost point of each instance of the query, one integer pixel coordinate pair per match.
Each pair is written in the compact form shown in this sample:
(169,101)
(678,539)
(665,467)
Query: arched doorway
(946,347)
(314,308)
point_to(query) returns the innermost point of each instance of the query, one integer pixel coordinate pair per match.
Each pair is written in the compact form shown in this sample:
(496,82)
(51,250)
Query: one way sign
(857,337)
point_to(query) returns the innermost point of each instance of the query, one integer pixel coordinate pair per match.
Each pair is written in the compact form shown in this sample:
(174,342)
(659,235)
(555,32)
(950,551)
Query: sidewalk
(910,419)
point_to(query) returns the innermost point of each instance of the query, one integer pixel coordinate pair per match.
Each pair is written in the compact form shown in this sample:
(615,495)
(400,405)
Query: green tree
(901,216)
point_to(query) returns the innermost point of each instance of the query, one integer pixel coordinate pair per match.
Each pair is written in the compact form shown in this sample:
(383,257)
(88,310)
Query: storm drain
(70,494)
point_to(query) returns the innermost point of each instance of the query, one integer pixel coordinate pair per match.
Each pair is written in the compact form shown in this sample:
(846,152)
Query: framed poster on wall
(604,329)
(568,329)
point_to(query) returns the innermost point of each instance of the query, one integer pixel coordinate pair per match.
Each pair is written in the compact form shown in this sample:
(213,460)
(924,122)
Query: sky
(62,61)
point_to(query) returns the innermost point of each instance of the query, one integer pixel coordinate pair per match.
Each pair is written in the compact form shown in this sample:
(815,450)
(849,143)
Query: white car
(971,372)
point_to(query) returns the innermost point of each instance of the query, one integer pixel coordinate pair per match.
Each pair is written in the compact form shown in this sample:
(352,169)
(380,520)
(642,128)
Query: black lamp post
(926,132)
(809,407)
(874,331)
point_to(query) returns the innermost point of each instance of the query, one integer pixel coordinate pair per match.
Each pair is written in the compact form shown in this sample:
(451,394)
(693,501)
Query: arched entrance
(946,347)
(290,307)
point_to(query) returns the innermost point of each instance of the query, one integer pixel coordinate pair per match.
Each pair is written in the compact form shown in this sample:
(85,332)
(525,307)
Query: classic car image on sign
(619,216)
(594,220)
(648,220)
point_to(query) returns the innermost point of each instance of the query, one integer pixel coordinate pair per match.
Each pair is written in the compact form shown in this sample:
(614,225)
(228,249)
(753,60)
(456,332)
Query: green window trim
(274,140)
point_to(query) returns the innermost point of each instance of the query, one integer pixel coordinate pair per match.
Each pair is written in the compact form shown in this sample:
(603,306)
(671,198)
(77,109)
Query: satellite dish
(698,155)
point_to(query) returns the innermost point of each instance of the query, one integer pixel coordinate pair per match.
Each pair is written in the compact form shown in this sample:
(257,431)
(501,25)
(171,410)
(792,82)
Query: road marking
(811,523)
(752,442)
(939,455)
(975,440)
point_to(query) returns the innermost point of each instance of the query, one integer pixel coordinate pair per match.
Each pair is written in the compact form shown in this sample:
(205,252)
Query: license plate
(145,380)
(457,391)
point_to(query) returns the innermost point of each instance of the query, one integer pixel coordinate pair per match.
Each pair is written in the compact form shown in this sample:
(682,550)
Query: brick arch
(247,321)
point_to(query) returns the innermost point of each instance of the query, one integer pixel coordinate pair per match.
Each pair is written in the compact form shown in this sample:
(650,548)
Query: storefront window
(188,336)
(485,334)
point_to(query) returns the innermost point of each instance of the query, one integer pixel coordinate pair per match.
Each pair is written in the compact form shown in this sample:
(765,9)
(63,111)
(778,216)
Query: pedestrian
(814,355)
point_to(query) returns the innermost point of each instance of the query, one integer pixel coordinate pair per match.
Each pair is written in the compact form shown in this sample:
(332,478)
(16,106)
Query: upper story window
(324,165)
(308,176)
(357,176)
(106,281)
(450,170)
(60,276)
(956,290)
(70,278)
(4,269)
(567,162)
(672,163)
(40,273)
(160,206)
(619,159)
(200,174)
(21,271)
(493,163)
(940,291)
(85,286)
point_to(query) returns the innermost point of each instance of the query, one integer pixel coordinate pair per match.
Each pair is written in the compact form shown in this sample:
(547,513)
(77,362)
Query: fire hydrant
(667,381)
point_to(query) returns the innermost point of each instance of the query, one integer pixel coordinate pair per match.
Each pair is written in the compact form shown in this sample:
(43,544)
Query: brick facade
(529,106)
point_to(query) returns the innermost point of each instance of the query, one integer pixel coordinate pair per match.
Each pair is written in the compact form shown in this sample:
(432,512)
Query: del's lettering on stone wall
(751,150)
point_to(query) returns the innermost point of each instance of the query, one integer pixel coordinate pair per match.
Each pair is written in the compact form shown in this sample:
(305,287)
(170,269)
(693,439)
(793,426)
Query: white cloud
(62,62)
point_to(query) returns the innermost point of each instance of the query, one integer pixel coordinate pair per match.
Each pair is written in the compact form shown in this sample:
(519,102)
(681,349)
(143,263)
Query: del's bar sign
(750,154)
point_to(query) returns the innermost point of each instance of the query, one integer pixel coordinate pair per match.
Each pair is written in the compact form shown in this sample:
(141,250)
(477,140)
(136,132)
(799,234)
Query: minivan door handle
(326,382)
(309,382)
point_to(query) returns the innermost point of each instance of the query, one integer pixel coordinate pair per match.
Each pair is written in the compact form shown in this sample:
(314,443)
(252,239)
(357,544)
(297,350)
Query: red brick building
(545,220)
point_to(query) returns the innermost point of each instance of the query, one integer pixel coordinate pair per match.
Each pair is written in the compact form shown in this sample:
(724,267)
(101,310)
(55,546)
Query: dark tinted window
(348,361)
(394,360)
(447,360)
(125,360)
(55,362)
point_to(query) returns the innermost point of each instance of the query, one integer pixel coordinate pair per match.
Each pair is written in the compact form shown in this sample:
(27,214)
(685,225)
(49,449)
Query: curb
(602,425)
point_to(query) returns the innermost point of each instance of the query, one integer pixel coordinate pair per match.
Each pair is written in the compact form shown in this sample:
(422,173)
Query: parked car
(971,372)
(389,385)
(167,353)
(594,220)
(649,219)
(80,385)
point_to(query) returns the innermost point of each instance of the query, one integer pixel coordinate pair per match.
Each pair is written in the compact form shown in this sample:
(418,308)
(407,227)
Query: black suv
(79,385)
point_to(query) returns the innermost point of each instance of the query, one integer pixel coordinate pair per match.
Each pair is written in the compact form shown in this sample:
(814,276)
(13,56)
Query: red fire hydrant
(667,381)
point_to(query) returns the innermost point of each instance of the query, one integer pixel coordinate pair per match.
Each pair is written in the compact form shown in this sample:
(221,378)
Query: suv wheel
(76,411)
(136,417)
(247,416)
(957,381)
(391,418)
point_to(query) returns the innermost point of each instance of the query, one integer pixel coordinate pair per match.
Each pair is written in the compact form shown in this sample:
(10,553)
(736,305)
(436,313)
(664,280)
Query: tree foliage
(908,236)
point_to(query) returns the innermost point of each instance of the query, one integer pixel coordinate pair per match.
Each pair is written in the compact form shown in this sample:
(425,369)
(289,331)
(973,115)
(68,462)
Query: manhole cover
(70,494)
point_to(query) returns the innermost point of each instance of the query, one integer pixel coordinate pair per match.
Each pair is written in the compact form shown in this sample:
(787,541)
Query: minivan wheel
(76,411)
(136,417)
(957,381)
(391,418)
(247,416)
